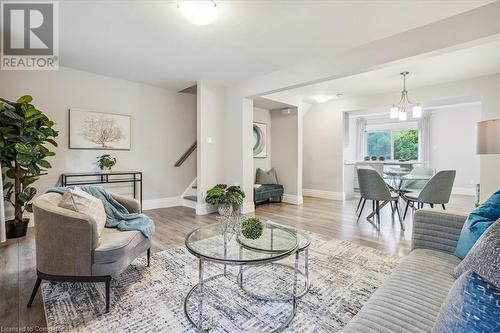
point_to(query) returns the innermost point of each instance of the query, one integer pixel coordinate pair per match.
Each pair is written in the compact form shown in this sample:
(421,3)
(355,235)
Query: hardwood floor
(333,219)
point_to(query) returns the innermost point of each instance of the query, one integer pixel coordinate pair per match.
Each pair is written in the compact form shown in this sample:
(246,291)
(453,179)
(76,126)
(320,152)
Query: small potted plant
(225,198)
(24,133)
(251,228)
(106,162)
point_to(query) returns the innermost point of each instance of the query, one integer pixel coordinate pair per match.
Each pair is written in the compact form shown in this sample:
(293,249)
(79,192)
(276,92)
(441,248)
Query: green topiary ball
(252,228)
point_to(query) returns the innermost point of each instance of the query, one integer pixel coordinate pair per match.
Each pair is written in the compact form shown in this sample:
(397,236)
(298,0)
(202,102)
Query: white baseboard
(161,203)
(293,199)
(463,191)
(189,203)
(323,194)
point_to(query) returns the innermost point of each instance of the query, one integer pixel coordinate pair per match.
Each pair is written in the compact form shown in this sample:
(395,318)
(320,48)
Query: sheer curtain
(424,137)
(360,138)
(2,213)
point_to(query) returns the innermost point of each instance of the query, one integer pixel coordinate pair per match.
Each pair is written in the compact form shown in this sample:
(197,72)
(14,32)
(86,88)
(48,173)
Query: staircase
(190,195)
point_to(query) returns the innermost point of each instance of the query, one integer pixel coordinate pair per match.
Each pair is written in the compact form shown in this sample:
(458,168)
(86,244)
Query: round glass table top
(268,240)
(213,243)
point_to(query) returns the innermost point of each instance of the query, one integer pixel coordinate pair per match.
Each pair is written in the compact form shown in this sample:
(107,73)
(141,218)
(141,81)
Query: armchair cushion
(115,244)
(79,201)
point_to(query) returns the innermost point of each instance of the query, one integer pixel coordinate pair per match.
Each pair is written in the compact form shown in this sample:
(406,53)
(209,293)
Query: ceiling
(462,64)
(150,41)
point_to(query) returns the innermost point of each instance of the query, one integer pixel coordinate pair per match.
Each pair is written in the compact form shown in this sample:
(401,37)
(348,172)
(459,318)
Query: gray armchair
(68,248)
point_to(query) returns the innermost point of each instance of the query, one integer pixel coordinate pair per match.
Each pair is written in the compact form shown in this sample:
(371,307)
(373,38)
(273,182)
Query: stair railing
(186,155)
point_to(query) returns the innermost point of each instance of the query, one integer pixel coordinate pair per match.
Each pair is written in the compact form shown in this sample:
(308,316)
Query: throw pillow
(79,201)
(472,306)
(266,177)
(477,223)
(484,257)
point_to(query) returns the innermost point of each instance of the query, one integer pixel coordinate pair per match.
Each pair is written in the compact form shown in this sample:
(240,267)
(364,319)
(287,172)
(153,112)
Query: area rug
(151,299)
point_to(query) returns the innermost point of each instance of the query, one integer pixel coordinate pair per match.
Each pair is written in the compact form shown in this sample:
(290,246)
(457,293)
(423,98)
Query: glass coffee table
(215,243)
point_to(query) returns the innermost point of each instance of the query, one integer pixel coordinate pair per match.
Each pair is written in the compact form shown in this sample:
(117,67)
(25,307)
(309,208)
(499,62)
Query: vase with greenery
(226,198)
(25,133)
(106,162)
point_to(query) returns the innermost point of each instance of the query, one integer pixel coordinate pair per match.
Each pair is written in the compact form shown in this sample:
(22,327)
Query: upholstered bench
(268,192)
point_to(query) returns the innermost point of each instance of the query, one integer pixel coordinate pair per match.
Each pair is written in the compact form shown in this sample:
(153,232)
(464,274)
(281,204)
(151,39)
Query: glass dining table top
(215,242)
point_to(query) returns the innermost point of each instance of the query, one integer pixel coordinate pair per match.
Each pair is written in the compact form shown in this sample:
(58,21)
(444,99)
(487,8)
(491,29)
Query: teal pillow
(478,221)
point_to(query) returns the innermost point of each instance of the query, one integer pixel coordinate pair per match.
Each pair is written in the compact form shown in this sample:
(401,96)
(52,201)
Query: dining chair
(436,191)
(373,187)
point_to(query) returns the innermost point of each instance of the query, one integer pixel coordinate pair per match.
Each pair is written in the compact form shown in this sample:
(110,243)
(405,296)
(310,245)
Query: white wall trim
(323,194)
(204,209)
(248,207)
(463,191)
(293,199)
(161,203)
(188,203)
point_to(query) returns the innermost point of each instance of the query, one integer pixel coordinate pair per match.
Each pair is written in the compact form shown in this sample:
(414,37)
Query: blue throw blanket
(117,216)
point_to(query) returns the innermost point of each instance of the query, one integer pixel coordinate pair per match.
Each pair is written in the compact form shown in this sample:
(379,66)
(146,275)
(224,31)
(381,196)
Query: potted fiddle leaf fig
(25,132)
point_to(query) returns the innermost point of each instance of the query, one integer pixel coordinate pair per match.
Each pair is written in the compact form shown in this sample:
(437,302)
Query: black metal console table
(101,177)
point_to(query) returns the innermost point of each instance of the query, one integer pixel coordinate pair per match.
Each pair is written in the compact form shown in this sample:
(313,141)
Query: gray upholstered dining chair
(68,248)
(436,191)
(373,187)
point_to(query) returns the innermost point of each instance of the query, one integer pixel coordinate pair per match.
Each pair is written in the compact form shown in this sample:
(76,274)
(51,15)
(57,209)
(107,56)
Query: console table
(101,177)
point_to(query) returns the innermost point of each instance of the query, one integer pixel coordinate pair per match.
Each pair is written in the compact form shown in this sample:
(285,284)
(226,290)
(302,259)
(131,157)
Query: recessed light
(199,12)
(325,98)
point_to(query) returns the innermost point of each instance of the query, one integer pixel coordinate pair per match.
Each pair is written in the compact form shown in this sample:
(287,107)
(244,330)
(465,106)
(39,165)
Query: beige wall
(163,125)
(263,116)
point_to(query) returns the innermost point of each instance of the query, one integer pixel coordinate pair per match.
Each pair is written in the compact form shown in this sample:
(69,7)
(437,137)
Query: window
(393,145)
(379,144)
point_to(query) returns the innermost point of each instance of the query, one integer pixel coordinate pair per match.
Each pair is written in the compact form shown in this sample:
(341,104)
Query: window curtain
(424,137)
(360,138)
(2,213)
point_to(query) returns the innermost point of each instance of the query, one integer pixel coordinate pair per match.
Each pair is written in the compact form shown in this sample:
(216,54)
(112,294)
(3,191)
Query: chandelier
(399,110)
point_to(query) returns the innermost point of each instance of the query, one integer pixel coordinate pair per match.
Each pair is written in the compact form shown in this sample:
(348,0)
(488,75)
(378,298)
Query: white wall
(210,129)
(323,148)
(263,116)
(163,125)
(453,145)
(285,152)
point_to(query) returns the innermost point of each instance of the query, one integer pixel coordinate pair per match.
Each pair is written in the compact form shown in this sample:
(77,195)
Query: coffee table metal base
(199,289)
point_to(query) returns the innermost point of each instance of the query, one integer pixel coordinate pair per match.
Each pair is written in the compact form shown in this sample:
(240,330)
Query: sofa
(411,297)
(68,248)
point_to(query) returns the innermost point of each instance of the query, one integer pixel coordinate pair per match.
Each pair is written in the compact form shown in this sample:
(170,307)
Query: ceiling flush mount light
(398,111)
(199,12)
(324,98)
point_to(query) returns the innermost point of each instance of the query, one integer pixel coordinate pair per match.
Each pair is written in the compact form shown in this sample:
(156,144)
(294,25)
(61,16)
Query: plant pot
(106,169)
(225,209)
(16,229)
